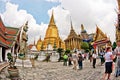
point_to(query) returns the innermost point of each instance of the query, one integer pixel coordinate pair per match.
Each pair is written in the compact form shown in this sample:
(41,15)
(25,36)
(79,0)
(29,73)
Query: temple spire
(34,41)
(71,23)
(40,37)
(52,21)
(82,27)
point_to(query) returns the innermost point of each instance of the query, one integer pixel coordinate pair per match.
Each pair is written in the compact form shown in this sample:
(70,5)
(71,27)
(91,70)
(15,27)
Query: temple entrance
(3,54)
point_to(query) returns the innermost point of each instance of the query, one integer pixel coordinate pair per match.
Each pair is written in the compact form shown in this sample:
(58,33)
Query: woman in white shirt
(94,56)
(108,62)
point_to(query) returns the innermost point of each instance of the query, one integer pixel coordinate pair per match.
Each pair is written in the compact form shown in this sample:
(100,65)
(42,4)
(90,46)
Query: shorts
(108,67)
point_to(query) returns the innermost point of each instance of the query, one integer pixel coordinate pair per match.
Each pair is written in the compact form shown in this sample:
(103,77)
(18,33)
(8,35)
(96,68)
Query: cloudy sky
(15,13)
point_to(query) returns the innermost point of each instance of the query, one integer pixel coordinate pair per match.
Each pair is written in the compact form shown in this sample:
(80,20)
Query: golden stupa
(52,37)
(39,44)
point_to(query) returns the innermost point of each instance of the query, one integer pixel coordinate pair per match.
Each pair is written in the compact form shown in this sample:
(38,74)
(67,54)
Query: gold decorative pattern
(51,36)
(99,35)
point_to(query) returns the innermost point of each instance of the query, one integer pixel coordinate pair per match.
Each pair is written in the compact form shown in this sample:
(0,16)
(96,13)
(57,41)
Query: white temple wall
(0,54)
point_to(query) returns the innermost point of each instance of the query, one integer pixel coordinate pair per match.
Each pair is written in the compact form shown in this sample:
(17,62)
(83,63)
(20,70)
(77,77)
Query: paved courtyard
(56,71)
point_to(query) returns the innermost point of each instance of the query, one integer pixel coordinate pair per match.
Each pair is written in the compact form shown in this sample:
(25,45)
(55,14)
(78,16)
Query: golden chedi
(51,37)
(39,44)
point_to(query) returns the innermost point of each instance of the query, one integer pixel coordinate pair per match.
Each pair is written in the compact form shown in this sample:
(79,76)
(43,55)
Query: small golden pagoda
(52,36)
(73,41)
(39,44)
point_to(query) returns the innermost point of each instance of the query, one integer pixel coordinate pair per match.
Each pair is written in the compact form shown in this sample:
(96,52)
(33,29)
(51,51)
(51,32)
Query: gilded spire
(40,37)
(52,22)
(82,27)
(34,41)
(72,32)
(71,24)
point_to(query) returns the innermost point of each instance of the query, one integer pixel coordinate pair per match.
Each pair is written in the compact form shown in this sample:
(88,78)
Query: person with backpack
(80,61)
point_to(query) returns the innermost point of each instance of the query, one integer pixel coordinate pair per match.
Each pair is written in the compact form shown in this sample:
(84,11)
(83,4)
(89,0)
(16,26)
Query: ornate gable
(99,35)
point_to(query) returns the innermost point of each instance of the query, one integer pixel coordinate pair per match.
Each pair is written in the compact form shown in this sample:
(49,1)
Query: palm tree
(60,50)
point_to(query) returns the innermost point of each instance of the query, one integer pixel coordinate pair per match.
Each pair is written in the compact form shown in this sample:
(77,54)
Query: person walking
(75,60)
(108,63)
(94,56)
(80,60)
(69,59)
(117,53)
(102,57)
(65,57)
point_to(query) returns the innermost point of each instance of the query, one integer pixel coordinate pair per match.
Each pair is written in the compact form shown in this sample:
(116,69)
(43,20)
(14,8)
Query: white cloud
(87,12)
(62,19)
(16,18)
(5,0)
(54,0)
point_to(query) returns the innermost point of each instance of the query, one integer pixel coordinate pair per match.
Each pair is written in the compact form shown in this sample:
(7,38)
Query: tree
(60,50)
(114,45)
(84,45)
(67,51)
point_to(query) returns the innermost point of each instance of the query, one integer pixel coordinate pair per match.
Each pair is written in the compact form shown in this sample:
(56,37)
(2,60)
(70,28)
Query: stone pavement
(56,71)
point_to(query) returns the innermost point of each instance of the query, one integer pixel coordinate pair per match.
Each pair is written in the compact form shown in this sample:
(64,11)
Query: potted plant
(12,69)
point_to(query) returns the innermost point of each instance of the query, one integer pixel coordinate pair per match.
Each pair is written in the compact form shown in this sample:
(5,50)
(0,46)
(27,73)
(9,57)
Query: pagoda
(51,37)
(39,44)
(84,35)
(73,40)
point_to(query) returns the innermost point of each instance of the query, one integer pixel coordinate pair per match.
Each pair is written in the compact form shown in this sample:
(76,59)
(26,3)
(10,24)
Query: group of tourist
(75,58)
(107,57)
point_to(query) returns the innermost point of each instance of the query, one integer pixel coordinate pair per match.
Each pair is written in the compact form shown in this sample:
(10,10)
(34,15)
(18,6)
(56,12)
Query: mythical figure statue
(23,39)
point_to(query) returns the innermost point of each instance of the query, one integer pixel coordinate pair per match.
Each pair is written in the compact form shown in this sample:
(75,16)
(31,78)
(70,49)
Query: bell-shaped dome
(52,31)
(39,44)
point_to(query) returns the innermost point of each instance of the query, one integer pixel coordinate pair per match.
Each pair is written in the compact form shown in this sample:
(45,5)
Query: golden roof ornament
(99,34)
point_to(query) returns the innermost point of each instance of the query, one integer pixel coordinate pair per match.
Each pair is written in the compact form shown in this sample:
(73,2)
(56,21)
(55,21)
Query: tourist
(102,57)
(69,59)
(108,63)
(65,57)
(117,53)
(48,57)
(75,60)
(94,56)
(90,57)
(80,60)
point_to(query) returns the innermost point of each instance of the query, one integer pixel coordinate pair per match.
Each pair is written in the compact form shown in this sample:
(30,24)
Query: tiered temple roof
(100,38)
(72,33)
(99,35)
(7,34)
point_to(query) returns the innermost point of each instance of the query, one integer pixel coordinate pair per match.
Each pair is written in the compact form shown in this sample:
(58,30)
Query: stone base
(25,63)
